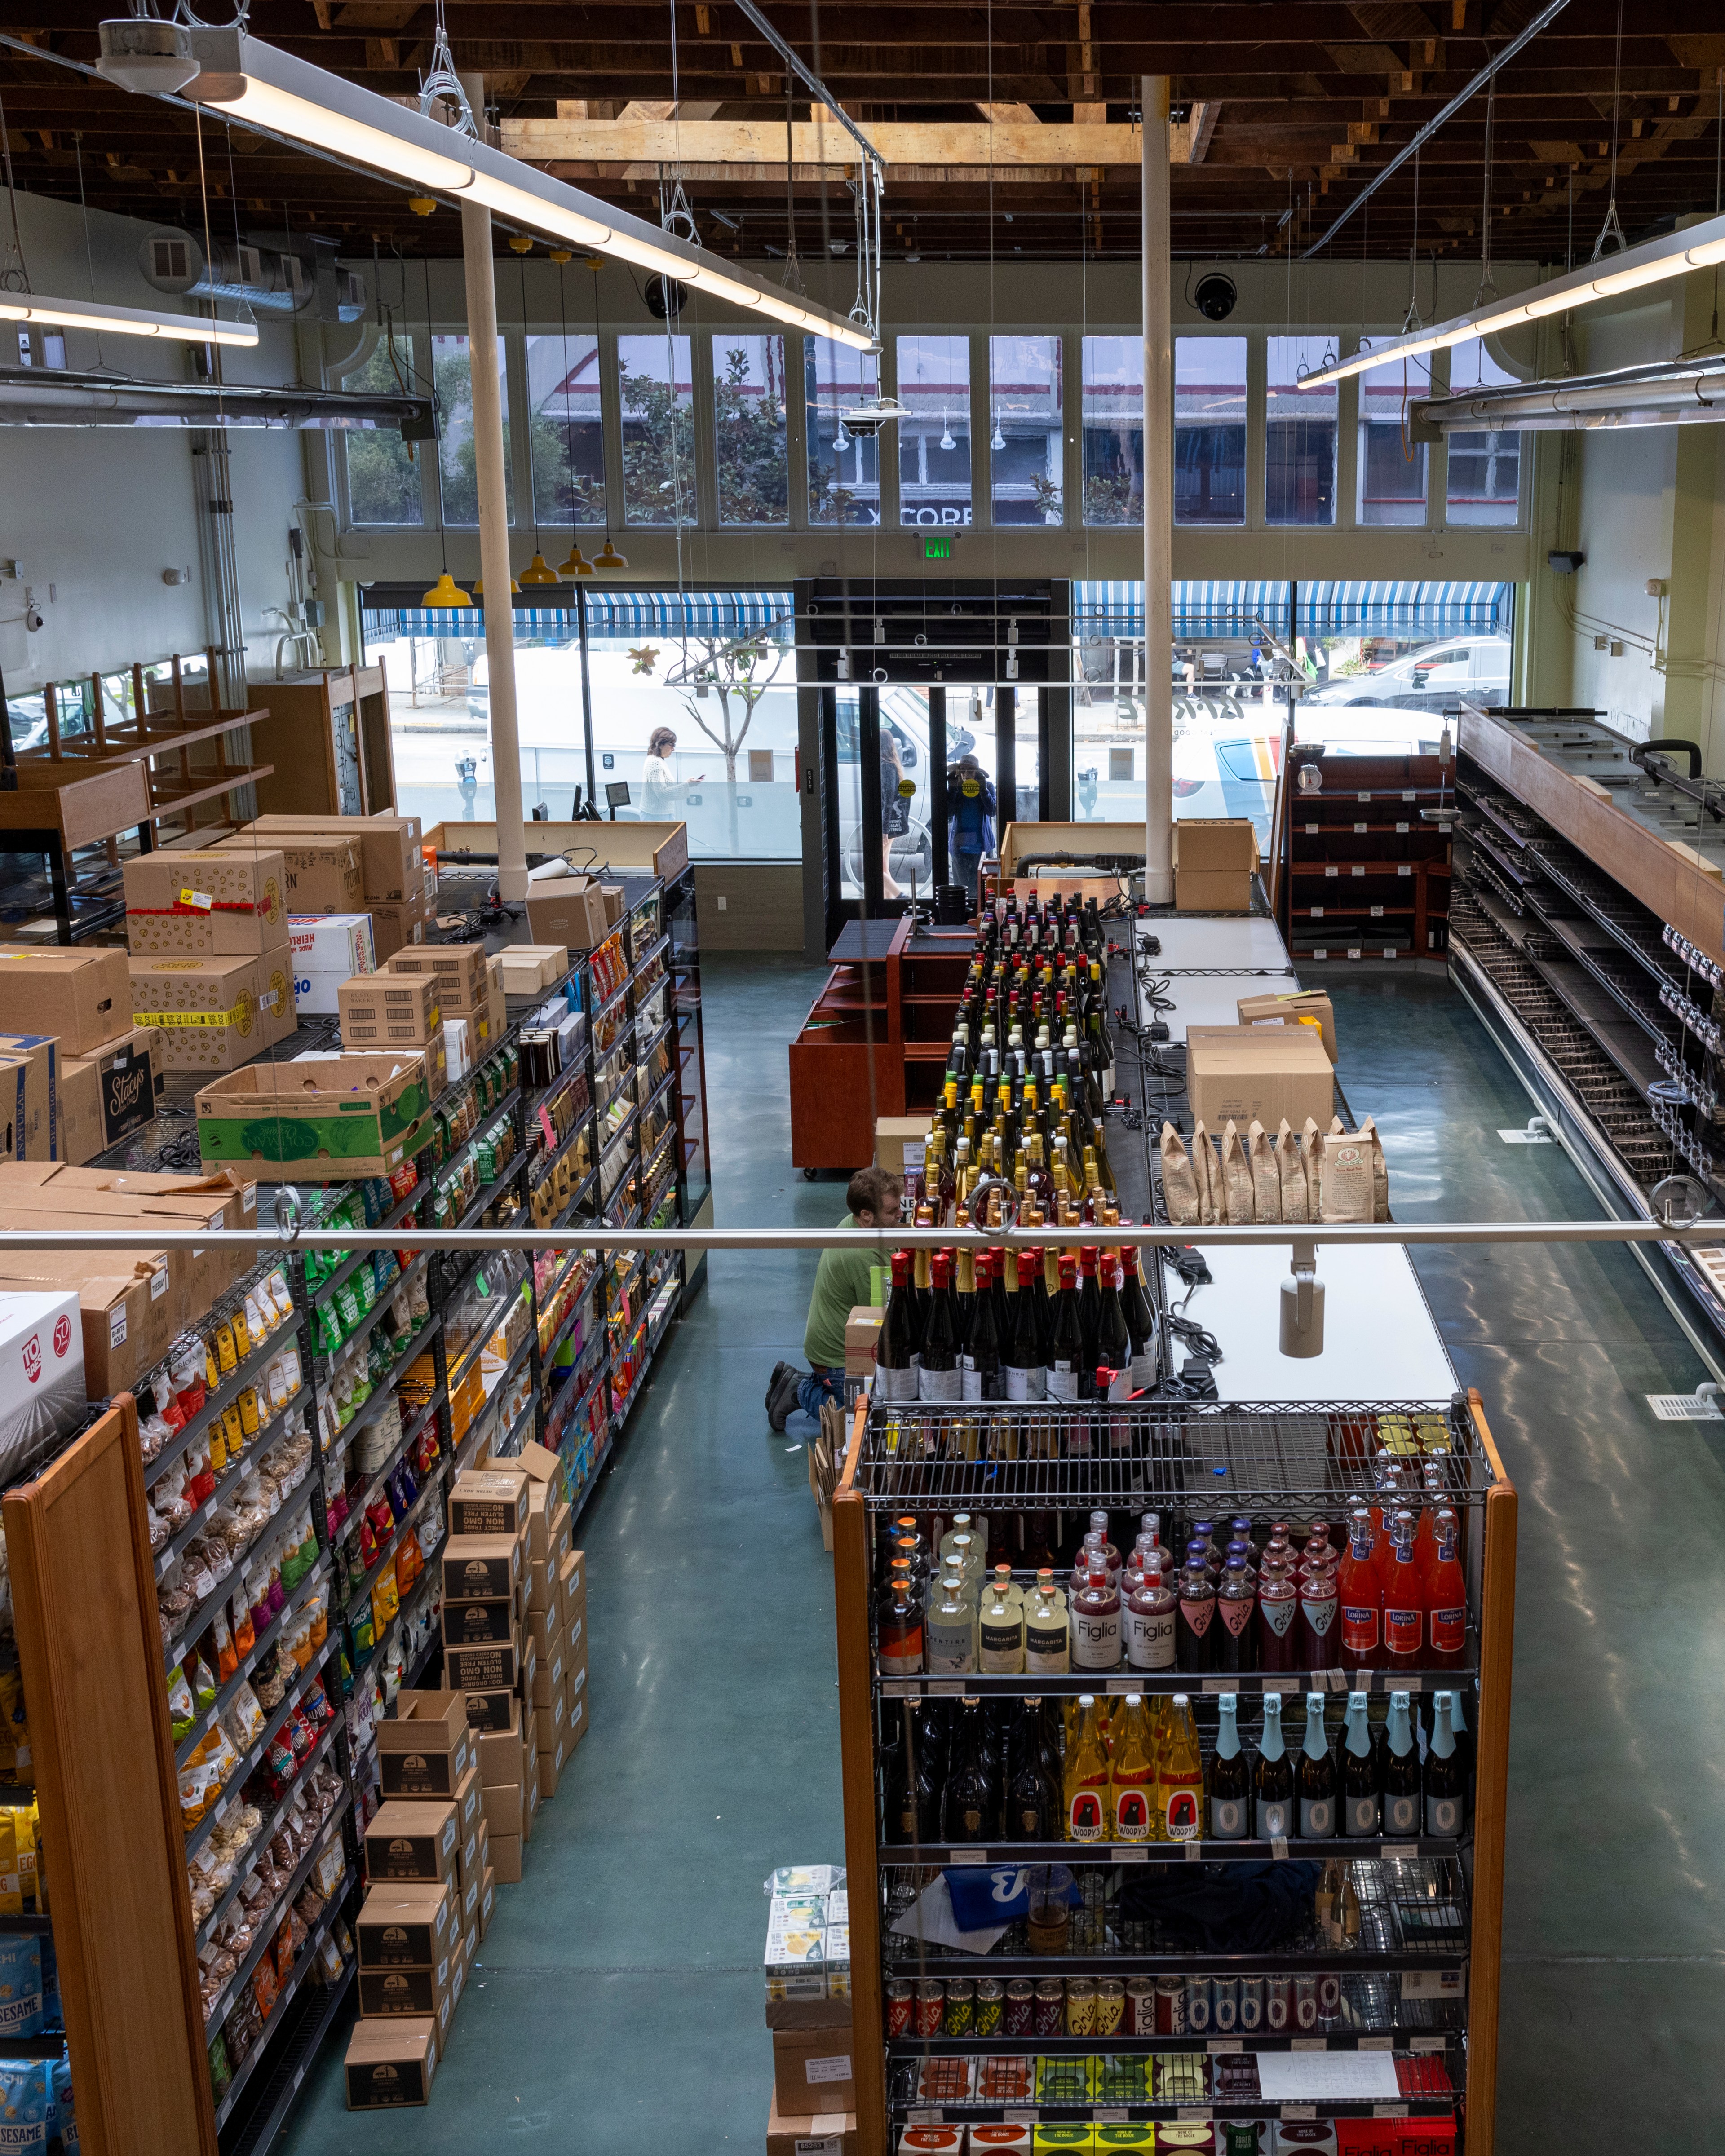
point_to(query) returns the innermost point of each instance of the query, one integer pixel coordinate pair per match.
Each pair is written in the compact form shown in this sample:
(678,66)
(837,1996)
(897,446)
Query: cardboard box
(812,2070)
(413,1838)
(1270,1072)
(893,1133)
(82,998)
(813,2133)
(494,1667)
(531,968)
(507,1859)
(340,1118)
(329,949)
(406,1925)
(500,1753)
(482,1568)
(500,1803)
(390,2064)
(196,1276)
(530,1799)
(423,1748)
(575,1724)
(409,1993)
(396,927)
(388,847)
(1214,861)
(389,1010)
(105,1097)
(459,969)
(493,1502)
(215,904)
(478,1623)
(215,1014)
(545,1689)
(30,1090)
(822,2012)
(567,909)
(1302,1003)
(490,1711)
(861,1330)
(321,871)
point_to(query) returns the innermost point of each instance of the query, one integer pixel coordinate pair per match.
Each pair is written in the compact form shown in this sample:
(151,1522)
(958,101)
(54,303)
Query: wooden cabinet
(1364,874)
(327,735)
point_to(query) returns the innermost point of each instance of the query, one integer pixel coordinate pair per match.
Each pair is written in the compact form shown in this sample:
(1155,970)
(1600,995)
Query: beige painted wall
(750,905)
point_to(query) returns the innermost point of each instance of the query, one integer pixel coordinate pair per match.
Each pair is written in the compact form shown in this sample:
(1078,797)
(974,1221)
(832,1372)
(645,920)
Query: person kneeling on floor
(841,1283)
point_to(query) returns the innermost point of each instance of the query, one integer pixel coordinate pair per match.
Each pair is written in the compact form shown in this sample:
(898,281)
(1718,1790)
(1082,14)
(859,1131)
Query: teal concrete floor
(618,1998)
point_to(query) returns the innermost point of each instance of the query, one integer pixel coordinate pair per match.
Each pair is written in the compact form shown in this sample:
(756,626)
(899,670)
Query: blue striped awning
(382,625)
(1210,609)
(1404,610)
(686,614)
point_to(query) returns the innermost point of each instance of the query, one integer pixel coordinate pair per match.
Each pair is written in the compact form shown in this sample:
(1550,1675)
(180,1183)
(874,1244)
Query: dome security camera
(1216,297)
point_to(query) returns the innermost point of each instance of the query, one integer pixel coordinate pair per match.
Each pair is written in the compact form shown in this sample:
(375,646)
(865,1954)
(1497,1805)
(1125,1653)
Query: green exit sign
(936,547)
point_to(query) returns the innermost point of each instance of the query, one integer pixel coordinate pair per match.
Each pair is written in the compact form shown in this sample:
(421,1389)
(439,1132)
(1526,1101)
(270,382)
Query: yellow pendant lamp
(479,587)
(608,557)
(445,594)
(536,572)
(577,565)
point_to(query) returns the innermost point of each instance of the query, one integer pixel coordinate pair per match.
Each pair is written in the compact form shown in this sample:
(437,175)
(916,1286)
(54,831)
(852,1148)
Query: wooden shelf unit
(1489,1557)
(1358,853)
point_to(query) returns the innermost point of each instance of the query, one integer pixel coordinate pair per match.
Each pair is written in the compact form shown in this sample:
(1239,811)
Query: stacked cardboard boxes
(557,1618)
(77,1075)
(212,966)
(470,994)
(489,1656)
(809,2011)
(352,865)
(427,1904)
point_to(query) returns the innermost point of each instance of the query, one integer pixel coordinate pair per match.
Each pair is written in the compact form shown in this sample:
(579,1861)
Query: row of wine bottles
(1134,1771)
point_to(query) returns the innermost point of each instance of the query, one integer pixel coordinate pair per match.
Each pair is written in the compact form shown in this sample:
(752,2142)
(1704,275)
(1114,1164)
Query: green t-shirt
(841,1283)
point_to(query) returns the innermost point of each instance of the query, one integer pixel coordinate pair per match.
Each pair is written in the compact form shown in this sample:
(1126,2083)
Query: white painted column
(490,468)
(1158,500)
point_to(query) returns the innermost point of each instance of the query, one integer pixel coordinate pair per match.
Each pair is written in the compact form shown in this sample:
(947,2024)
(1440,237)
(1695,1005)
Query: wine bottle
(1066,1359)
(965,1802)
(939,1380)
(1359,1771)
(1401,1773)
(1230,1777)
(1033,1811)
(1443,1786)
(898,1353)
(1140,1322)
(980,1365)
(1316,1776)
(1273,1777)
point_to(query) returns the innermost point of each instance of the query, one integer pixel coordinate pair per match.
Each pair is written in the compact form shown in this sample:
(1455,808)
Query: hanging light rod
(1665,393)
(123,321)
(811,81)
(1524,37)
(278,94)
(1654,262)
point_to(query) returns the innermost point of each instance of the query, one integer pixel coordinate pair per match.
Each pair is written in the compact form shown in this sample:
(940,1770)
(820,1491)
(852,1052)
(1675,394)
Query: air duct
(62,397)
(1665,393)
(268,280)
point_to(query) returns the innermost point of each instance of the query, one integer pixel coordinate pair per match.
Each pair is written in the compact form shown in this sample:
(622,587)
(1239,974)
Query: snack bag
(1311,1149)
(386,1601)
(1266,1177)
(1236,1178)
(1380,1171)
(182,1708)
(1179,1180)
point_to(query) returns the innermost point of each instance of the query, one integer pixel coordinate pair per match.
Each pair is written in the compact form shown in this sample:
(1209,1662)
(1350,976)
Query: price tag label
(1222,2046)
(1389,2111)
(1022,2118)
(926,2117)
(1126,1852)
(1110,2117)
(1409,795)
(1317,914)
(1360,827)
(1278,1848)
(1401,1848)
(1311,829)
(1357,871)
(1299,2111)
(1121,1687)
(1308,2044)
(1377,913)
(1221,1684)
(1401,827)
(1404,868)
(946,1687)
(967,1856)
(1376,2043)
(1194,1852)
(1428,2043)
(1365,797)
(1333,872)
(1198,2113)
(1282,1684)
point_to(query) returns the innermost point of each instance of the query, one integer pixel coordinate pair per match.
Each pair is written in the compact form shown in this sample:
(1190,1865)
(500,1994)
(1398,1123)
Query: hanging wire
(1488,289)
(88,250)
(792,279)
(1613,227)
(568,421)
(1412,319)
(437,438)
(15,277)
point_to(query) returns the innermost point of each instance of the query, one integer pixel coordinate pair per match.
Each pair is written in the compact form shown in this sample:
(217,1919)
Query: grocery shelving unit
(1364,874)
(1422,1984)
(1587,937)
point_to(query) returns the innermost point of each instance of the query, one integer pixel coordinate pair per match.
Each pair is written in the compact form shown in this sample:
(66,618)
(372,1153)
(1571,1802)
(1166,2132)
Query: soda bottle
(1149,1620)
(1404,1602)
(1235,1601)
(1087,1779)
(1278,1602)
(1360,1594)
(1445,1597)
(1194,1625)
(1319,1603)
(1179,1775)
(1132,1775)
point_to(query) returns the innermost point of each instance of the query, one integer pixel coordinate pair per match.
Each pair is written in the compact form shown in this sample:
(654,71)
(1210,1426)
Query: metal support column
(1158,501)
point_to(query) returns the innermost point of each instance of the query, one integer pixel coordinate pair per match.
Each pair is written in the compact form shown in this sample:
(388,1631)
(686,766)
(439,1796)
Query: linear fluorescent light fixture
(1654,262)
(123,321)
(277,94)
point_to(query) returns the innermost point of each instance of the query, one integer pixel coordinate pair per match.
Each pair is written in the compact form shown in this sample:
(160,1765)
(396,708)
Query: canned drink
(1278,2002)
(1198,2006)
(961,2007)
(1252,2003)
(930,2005)
(900,1992)
(990,2006)
(1224,2004)
(1329,1995)
(1081,2006)
(1306,2002)
(1140,2006)
(1110,2006)
(1049,2015)
(1170,2006)
(1020,2007)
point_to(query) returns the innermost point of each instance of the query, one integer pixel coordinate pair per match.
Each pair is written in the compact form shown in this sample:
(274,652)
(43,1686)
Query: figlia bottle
(1179,1775)
(1359,1771)
(1133,1775)
(1148,1621)
(1230,1777)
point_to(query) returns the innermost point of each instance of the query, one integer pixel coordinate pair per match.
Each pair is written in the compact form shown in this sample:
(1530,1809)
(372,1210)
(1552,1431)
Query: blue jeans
(964,868)
(820,1385)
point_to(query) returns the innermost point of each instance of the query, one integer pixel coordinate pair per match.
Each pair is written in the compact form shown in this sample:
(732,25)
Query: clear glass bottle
(1095,1623)
(1148,1621)
(950,1626)
(1001,1628)
(1048,1631)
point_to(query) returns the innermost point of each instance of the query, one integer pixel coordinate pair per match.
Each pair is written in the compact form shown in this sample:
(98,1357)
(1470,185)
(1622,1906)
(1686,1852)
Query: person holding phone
(971,808)
(661,789)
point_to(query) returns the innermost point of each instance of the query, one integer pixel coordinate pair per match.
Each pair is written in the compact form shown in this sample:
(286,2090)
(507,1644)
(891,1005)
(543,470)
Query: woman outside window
(660,787)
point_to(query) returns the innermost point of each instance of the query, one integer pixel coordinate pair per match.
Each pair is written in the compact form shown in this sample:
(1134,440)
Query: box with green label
(326,1119)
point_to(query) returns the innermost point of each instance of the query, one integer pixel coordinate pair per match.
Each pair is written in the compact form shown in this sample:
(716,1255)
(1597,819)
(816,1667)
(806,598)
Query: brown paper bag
(1266,1178)
(1312,1151)
(1291,1174)
(1380,1171)
(1236,1178)
(1179,1181)
(1207,1176)
(1346,1179)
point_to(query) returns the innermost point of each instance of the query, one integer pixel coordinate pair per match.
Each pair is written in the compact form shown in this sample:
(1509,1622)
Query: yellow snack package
(23,1828)
(385,1601)
(227,1356)
(12,1895)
